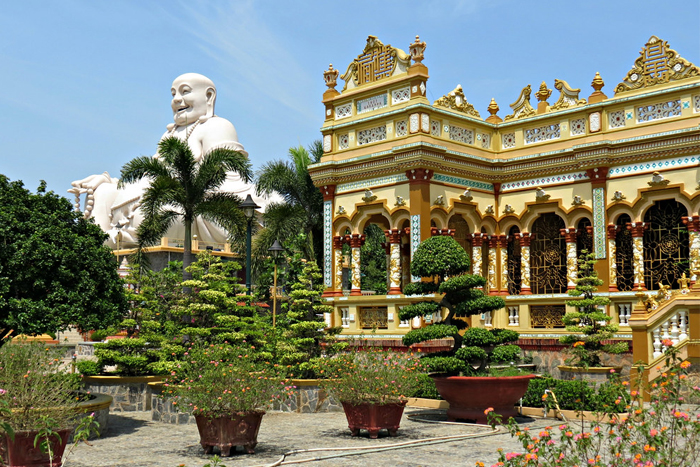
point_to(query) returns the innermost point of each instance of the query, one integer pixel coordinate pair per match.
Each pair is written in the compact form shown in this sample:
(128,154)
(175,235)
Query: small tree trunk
(187,254)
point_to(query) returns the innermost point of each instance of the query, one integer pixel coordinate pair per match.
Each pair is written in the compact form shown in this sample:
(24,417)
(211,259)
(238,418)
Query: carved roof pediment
(521,107)
(377,61)
(455,100)
(657,64)
(568,97)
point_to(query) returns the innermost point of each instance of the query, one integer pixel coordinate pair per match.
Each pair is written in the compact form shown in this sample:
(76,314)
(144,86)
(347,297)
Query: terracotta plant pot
(469,396)
(22,453)
(373,417)
(229,432)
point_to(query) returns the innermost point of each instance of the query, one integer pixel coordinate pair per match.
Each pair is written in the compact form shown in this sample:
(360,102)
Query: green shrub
(575,395)
(506,354)
(426,388)
(88,368)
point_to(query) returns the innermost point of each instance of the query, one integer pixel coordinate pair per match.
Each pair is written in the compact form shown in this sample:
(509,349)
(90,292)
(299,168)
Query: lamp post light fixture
(248,206)
(119,227)
(275,250)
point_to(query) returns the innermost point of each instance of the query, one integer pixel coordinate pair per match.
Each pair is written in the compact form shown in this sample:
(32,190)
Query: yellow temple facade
(523,194)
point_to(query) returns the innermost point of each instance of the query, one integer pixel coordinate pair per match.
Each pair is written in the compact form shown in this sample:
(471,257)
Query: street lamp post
(118,226)
(275,251)
(248,206)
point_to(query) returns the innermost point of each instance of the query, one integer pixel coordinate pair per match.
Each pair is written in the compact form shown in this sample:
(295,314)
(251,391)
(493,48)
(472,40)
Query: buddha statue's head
(194,96)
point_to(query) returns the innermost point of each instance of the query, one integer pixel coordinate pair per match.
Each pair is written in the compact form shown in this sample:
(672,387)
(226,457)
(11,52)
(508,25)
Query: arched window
(624,255)
(666,247)
(584,240)
(548,255)
(514,259)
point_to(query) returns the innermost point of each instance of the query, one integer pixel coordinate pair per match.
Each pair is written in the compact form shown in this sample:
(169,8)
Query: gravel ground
(134,440)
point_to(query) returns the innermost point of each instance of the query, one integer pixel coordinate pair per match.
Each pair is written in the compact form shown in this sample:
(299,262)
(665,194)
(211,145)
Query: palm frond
(278,177)
(178,155)
(214,166)
(140,167)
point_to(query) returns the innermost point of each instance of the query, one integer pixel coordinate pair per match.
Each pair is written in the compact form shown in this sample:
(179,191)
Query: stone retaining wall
(130,393)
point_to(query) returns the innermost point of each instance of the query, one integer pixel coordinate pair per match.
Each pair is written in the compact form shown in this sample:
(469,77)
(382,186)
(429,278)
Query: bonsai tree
(303,332)
(443,264)
(55,271)
(590,324)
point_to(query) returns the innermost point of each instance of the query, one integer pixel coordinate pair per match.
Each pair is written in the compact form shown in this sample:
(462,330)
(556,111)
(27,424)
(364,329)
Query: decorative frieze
(371,103)
(544,181)
(599,222)
(658,111)
(343,111)
(371,135)
(327,243)
(435,128)
(485,140)
(401,128)
(461,135)
(543,133)
(372,182)
(652,166)
(578,127)
(696,103)
(415,239)
(616,119)
(343,141)
(462,182)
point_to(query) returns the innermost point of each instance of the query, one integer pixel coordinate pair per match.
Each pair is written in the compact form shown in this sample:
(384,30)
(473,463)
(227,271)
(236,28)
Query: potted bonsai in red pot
(373,387)
(462,375)
(227,389)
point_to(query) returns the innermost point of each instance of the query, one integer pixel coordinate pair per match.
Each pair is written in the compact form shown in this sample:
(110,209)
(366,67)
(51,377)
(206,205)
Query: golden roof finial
(597,84)
(330,76)
(544,93)
(493,110)
(416,50)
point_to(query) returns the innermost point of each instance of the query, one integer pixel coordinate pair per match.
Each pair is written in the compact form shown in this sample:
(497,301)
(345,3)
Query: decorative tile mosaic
(462,182)
(535,182)
(327,243)
(413,122)
(343,111)
(461,135)
(485,141)
(578,127)
(599,243)
(594,121)
(343,141)
(400,95)
(326,143)
(653,166)
(686,104)
(415,239)
(435,128)
(658,111)
(401,128)
(616,119)
(542,133)
(371,103)
(425,122)
(509,140)
(371,183)
(371,135)
(696,103)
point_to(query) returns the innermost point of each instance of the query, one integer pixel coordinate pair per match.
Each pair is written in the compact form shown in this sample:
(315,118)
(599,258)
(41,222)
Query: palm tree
(182,188)
(301,212)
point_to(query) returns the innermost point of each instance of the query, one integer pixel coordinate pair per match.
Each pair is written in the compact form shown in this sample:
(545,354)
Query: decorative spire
(542,96)
(331,77)
(493,110)
(416,49)
(597,84)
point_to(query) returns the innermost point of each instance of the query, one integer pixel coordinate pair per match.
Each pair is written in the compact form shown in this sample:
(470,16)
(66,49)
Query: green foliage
(88,368)
(434,331)
(504,336)
(440,257)
(302,334)
(471,354)
(426,387)
(35,385)
(371,376)
(590,324)
(448,365)
(575,395)
(419,309)
(55,271)
(420,288)
(373,260)
(506,354)
(219,380)
(479,337)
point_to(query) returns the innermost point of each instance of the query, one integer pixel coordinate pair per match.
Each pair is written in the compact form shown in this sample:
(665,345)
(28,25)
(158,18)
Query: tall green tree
(373,260)
(182,188)
(54,268)
(301,212)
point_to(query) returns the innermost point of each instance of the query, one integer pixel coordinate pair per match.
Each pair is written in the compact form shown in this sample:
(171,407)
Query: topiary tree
(444,266)
(590,324)
(303,332)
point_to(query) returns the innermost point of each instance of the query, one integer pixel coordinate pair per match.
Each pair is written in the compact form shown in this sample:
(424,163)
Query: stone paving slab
(134,440)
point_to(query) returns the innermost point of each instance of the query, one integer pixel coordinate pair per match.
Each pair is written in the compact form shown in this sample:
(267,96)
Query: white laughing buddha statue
(117,209)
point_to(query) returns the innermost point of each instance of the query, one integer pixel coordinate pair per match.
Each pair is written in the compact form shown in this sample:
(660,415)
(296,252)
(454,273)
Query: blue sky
(87,83)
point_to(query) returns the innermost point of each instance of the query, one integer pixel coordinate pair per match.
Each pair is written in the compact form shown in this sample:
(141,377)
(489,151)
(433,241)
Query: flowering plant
(665,431)
(371,376)
(36,388)
(219,380)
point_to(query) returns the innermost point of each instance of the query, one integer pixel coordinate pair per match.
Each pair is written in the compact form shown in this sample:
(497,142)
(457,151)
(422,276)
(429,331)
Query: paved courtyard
(134,440)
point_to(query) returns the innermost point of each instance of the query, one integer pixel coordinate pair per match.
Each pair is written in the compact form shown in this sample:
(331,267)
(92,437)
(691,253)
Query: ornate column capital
(637,228)
(478,238)
(434,231)
(612,231)
(692,222)
(502,241)
(598,175)
(356,240)
(338,242)
(524,238)
(328,192)
(393,235)
(417,176)
(493,241)
(569,235)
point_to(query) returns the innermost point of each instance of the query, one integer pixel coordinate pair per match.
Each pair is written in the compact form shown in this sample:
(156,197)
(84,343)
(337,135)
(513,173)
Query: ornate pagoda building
(523,193)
